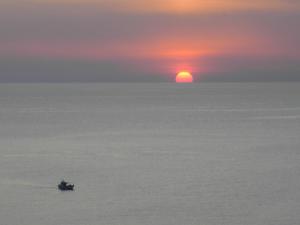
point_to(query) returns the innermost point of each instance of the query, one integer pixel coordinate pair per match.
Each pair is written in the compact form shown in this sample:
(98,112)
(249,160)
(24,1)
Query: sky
(149,40)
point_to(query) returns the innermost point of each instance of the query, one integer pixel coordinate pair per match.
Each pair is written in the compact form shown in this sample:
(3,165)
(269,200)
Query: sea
(150,154)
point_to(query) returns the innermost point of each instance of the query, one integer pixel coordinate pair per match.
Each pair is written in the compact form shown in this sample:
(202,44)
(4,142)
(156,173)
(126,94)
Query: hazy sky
(149,40)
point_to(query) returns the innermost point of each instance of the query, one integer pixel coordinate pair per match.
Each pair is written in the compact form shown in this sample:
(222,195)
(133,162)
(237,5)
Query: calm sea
(150,154)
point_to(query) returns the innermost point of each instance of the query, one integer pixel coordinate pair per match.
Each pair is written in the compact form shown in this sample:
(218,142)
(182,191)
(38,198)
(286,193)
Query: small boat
(64,186)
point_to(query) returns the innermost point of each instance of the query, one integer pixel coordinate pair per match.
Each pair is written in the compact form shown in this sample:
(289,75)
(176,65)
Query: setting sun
(184,77)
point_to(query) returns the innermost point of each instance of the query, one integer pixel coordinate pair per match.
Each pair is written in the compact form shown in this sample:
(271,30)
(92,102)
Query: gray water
(150,154)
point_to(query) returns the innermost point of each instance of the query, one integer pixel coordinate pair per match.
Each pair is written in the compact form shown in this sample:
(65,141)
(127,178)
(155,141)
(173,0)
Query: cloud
(172,6)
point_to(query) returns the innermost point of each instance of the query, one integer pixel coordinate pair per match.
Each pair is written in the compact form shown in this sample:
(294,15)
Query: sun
(184,77)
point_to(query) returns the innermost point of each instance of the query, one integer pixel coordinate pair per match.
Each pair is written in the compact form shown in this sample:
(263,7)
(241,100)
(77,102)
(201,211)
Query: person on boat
(63,182)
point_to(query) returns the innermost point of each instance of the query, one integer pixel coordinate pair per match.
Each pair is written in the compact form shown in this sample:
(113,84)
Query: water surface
(141,154)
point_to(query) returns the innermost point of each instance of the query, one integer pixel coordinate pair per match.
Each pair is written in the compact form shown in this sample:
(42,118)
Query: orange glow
(184,77)
(179,50)
(181,6)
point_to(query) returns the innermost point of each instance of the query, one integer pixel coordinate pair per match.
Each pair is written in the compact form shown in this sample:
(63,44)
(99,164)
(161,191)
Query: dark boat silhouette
(64,186)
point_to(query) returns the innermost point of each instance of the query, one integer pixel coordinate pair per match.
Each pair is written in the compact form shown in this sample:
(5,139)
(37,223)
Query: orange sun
(184,77)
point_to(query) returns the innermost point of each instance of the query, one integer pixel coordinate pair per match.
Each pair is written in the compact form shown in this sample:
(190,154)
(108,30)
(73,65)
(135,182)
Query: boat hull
(66,188)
